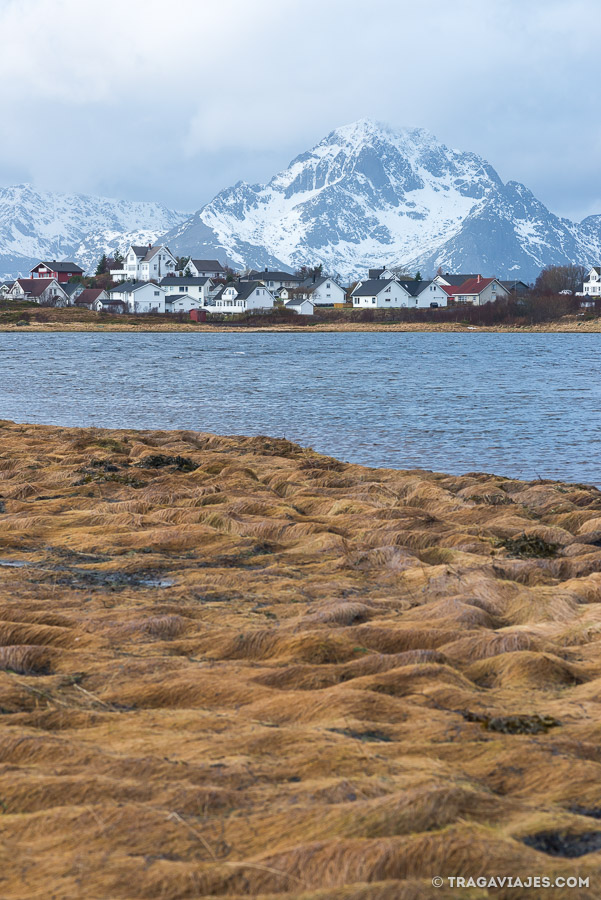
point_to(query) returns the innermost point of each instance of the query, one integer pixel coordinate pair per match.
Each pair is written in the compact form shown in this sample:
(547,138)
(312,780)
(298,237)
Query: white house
(591,286)
(45,291)
(381,293)
(175,303)
(145,263)
(109,304)
(206,268)
(198,289)
(425,294)
(301,305)
(140,296)
(240,297)
(322,291)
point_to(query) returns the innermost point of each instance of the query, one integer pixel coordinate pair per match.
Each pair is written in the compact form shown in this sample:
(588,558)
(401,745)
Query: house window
(157,293)
(328,286)
(373,299)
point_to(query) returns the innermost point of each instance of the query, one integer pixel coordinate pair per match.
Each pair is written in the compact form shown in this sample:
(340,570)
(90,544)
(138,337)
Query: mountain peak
(369,131)
(368,193)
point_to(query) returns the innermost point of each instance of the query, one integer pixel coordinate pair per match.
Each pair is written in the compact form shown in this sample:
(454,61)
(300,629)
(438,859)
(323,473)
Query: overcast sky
(173,101)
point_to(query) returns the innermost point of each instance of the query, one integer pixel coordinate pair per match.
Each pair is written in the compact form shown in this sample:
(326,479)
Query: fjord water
(526,406)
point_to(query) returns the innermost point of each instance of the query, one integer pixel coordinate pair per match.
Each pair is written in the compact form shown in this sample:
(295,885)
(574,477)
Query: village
(151,280)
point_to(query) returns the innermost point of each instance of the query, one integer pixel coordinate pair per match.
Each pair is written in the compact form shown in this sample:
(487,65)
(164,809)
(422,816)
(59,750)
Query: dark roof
(310,283)
(244,289)
(186,279)
(273,276)
(456,280)
(91,294)
(375,273)
(173,297)
(71,288)
(372,287)
(140,251)
(414,287)
(296,301)
(208,265)
(59,266)
(127,286)
(514,285)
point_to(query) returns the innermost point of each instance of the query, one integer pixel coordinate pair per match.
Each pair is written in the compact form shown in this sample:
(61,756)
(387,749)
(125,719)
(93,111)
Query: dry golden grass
(231,667)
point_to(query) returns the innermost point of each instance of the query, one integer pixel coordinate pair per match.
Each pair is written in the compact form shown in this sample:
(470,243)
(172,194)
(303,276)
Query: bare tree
(554,279)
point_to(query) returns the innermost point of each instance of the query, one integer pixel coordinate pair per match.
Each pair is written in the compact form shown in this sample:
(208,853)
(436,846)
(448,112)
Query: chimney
(478,278)
(266,269)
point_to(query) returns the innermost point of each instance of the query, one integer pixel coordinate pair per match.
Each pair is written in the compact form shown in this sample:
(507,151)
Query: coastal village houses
(145,264)
(60,271)
(303,306)
(140,296)
(476,291)
(88,298)
(321,290)
(274,281)
(380,293)
(240,297)
(425,294)
(591,286)
(45,291)
(191,292)
(206,268)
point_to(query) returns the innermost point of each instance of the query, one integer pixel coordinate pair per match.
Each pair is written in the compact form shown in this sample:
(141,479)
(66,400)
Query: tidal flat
(234,667)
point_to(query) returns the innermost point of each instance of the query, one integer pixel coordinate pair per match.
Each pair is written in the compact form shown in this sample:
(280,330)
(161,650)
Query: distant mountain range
(364,196)
(36,225)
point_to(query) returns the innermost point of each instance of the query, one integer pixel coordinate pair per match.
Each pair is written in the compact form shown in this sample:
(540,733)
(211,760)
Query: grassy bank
(560,317)
(234,667)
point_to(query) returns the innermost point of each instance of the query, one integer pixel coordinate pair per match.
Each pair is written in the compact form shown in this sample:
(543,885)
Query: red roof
(472,286)
(35,287)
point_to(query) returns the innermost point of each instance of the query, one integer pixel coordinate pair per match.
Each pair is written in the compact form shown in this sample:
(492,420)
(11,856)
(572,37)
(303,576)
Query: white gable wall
(432,294)
(328,293)
(592,284)
(393,296)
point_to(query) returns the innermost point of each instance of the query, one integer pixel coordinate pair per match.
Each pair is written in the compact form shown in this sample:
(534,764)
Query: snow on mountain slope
(367,195)
(37,225)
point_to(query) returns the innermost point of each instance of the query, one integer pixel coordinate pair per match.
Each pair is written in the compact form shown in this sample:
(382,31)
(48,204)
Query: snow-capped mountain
(367,195)
(37,225)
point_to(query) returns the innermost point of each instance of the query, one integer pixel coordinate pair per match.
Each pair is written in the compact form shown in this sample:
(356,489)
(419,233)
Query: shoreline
(570,326)
(233,666)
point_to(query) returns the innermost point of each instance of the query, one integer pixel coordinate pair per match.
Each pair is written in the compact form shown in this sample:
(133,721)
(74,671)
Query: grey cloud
(173,102)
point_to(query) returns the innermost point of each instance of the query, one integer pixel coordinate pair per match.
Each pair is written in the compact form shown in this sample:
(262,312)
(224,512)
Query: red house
(61,271)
